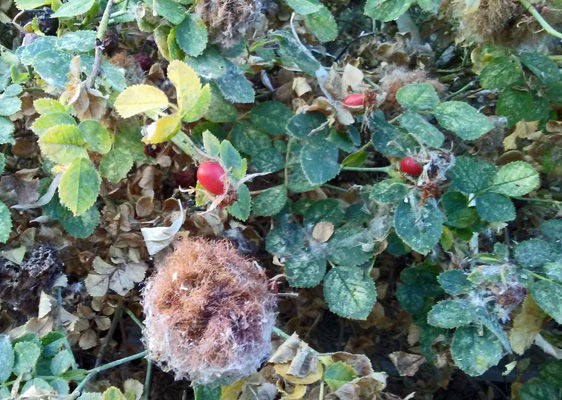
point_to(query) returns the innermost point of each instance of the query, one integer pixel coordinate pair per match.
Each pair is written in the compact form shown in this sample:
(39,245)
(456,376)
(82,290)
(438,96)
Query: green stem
(287,155)
(367,169)
(134,318)
(547,201)
(186,145)
(460,91)
(539,276)
(67,345)
(280,333)
(147,380)
(546,26)
(336,188)
(101,368)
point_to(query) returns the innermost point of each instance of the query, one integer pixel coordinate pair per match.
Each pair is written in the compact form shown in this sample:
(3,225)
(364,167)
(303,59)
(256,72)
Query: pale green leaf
(6,358)
(338,374)
(516,179)
(241,208)
(5,223)
(79,186)
(421,129)
(473,353)
(462,119)
(319,160)
(192,35)
(6,131)
(270,201)
(61,362)
(31,4)
(163,129)
(271,117)
(419,227)
(389,191)
(418,97)
(494,207)
(9,105)
(386,10)
(73,8)
(501,72)
(470,176)
(200,107)
(234,85)
(451,314)
(27,354)
(304,7)
(50,120)
(349,293)
(305,268)
(96,136)
(323,24)
(115,165)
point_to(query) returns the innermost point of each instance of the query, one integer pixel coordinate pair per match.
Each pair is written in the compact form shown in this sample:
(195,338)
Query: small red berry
(410,166)
(354,100)
(211,176)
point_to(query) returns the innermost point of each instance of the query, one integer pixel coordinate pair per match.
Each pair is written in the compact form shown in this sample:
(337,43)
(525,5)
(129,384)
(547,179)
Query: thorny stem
(99,44)
(287,155)
(546,26)
(107,339)
(101,368)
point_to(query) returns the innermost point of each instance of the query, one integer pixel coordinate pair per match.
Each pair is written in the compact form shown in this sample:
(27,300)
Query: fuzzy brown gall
(209,313)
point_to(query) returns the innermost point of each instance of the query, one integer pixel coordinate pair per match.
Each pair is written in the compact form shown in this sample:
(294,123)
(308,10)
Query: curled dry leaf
(323,231)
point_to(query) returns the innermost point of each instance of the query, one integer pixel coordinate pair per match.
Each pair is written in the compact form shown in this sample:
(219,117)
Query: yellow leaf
(163,129)
(232,391)
(140,98)
(526,326)
(314,376)
(186,81)
(523,130)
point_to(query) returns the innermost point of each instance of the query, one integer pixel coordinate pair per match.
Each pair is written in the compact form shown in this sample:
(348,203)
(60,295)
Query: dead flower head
(209,314)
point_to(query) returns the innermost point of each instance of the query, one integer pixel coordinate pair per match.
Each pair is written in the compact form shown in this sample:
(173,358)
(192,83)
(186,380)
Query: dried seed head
(228,20)
(209,313)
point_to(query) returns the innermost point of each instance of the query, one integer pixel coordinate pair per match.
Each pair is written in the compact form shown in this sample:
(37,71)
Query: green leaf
(268,160)
(5,223)
(79,186)
(475,354)
(451,314)
(31,4)
(6,131)
(421,129)
(463,218)
(270,201)
(219,109)
(349,293)
(113,394)
(12,90)
(350,246)
(63,144)
(169,9)
(9,105)
(27,354)
(6,358)
(292,53)
(115,165)
(338,374)
(533,252)
(73,8)
(77,42)
(537,389)
(543,67)
(96,136)
(81,226)
(48,121)
(516,179)
(389,191)
(430,5)
(285,239)
(493,326)
(518,105)
(271,116)
(548,296)
(329,210)
(501,72)
(470,176)
(419,228)
(552,229)
(211,144)
(61,362)
(241,208)
(553,270)
(234,85)
(386,10)
(248,138)
(462,119)
(298,183)
(230,156)
(302,125)
(319,160)
(454,201)
(192,35)
(304,7)
(209,65)
(305,269)
(323,24)
(391,141)
(2,163)
(493,207)
(454,282)
(418,97)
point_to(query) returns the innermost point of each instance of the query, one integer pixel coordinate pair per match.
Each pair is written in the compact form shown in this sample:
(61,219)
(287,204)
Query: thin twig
(99,44)
(546,26)
(107,339)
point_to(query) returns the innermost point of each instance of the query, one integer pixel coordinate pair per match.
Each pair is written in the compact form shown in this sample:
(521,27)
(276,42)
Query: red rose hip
(211,176)
(354,100)
(410,166)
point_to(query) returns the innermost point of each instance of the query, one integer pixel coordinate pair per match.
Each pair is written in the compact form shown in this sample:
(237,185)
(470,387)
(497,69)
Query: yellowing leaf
(232,391)
(314,376)
(140,98)
(200,107)
(526,326)
(163,129)
(63,144)
(79,186)
(187,84)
